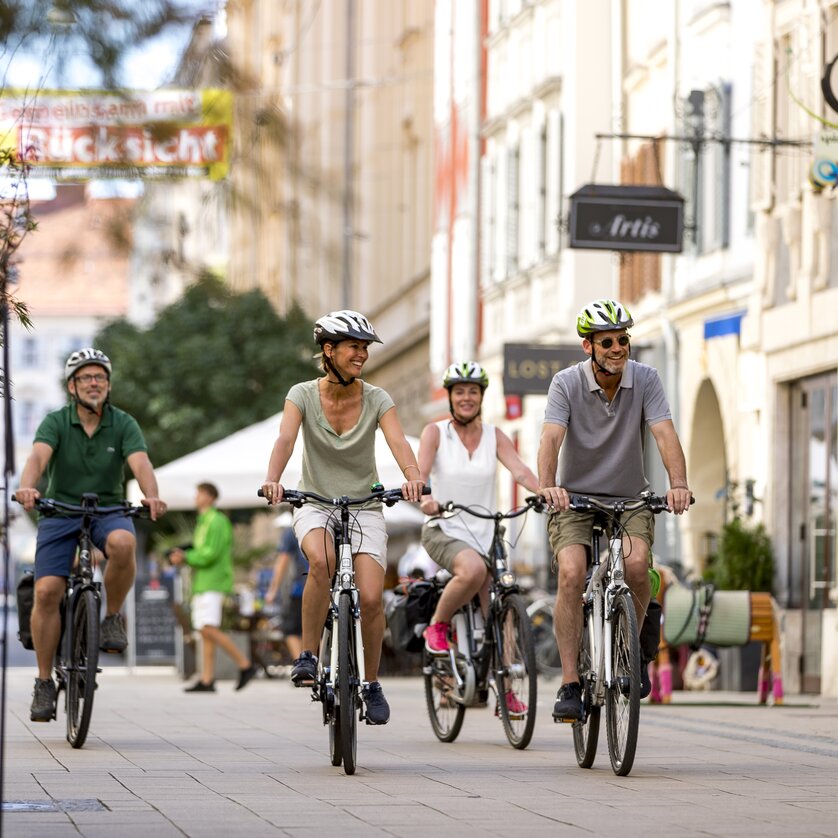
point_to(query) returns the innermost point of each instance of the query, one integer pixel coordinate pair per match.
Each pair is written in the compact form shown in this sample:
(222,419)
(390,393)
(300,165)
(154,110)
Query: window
(513,200)
(29,353)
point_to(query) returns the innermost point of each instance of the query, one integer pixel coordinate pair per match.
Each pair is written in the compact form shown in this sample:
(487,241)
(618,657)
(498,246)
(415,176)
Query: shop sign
(634,218)
(530,367)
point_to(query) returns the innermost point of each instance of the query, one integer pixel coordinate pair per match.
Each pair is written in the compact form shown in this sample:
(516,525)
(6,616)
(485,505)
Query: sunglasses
(623,340)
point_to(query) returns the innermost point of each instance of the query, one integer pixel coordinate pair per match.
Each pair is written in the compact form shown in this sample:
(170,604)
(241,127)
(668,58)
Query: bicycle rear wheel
(622,698)
(82,666)
(515,672)
(547,658)
(586,732)
(445,713)
(347,685)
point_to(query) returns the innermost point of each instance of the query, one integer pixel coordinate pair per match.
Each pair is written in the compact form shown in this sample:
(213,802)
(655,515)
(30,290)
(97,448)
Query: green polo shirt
(211,556)
(81,464)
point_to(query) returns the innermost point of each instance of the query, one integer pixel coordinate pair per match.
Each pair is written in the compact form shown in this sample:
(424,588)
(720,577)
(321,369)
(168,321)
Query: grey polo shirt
(602,451)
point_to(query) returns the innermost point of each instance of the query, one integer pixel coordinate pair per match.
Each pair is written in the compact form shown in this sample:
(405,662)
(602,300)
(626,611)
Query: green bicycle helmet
(603,316)
(466,372)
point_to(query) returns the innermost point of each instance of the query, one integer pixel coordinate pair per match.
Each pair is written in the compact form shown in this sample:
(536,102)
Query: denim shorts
(58,539)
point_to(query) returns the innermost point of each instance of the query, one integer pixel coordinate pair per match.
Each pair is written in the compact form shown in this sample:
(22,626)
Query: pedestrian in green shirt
(211,560)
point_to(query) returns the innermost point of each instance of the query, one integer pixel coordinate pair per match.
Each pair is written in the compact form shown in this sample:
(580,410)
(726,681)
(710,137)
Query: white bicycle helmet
(602,316)
(82,357)
(343,325)
(467,372)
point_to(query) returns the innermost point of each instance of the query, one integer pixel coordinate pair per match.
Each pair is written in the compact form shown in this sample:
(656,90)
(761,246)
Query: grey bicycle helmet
(602,316)
(344,325)
(82,358)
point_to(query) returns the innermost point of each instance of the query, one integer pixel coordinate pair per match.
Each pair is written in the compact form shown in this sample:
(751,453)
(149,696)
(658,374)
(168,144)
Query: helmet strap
(599,365)
(327,361)
(463,422)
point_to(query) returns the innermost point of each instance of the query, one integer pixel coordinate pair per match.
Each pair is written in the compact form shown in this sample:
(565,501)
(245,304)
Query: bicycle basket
(409,613)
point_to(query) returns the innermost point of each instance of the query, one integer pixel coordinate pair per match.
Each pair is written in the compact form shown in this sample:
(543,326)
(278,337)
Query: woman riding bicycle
(339,414)
(460,455)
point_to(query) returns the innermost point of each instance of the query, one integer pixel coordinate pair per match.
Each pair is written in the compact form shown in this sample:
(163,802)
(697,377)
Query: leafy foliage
(213,362)
(744,560)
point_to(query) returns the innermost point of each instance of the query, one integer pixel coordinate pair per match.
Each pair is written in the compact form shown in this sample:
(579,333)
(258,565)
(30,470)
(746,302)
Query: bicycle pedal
(566,720)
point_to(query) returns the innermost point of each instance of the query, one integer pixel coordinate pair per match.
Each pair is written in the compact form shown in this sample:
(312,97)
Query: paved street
(161,763)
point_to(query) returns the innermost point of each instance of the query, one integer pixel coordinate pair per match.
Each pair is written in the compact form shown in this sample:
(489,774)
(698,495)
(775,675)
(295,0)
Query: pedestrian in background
(289,556)
(211,560)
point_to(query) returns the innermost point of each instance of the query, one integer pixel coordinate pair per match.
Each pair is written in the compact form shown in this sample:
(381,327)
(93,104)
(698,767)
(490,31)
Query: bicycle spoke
(347,683)
(84,660)
(586,732)
(446,714)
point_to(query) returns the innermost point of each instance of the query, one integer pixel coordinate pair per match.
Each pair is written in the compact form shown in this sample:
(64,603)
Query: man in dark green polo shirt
(83,447)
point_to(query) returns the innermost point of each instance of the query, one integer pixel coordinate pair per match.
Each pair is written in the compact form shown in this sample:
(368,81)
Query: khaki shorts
(443,549)
(566,528)
(367,530)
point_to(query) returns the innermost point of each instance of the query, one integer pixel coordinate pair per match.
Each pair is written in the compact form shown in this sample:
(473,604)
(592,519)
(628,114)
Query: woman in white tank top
(460,456)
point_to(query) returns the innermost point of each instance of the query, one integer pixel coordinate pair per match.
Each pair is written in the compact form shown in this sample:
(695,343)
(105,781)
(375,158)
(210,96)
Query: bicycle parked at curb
(341,676)
(77,656)
(496,654)
(609,651)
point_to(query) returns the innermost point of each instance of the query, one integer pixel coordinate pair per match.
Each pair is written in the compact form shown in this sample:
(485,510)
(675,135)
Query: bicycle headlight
(346,580)
(507,579)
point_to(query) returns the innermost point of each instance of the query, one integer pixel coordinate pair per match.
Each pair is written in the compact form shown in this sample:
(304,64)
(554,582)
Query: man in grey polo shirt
(597,414)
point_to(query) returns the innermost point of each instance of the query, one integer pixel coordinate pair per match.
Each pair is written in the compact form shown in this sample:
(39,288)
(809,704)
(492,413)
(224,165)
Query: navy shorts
(58,539)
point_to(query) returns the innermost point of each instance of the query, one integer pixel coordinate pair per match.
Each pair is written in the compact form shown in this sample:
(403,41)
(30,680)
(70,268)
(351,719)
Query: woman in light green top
(339,415)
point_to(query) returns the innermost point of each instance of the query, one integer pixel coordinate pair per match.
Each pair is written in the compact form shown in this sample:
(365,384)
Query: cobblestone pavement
(162,763)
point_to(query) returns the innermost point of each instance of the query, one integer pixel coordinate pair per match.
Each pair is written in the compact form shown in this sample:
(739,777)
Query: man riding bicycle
(83,447)
(596,416)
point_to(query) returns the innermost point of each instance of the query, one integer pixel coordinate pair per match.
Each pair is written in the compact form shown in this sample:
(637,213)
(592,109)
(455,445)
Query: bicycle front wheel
(347,685)
(622,699)
(326,691)
(82,666)
(515,672)
(586,732)
(444,711)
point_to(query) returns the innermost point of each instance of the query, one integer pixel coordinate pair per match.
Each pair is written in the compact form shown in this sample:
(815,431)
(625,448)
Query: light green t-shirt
(336,465)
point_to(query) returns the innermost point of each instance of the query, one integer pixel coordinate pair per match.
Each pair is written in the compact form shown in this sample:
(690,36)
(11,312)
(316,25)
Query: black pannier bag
(409,612)
(25,601)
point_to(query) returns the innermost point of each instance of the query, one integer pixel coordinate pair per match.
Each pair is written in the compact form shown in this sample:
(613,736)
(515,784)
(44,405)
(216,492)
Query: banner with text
(78,135)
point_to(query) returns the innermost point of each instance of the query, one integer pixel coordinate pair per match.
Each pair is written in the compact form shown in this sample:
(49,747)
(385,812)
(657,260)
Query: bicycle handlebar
(297,498)
(656,503)
(535,502)
(50,506)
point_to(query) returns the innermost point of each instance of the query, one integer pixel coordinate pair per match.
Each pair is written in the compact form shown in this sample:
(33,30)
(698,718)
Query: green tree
(744,560)
(212,363)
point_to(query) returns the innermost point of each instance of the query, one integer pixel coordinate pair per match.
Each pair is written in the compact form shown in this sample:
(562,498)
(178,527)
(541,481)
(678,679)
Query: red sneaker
(514,704)
(436,638)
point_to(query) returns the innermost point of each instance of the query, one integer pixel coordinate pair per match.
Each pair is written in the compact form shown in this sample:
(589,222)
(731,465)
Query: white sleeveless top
(467,480)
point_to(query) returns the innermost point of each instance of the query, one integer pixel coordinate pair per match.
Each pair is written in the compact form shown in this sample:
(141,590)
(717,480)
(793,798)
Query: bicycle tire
(446,714)
(622,698)
(347,684)
(327,696)
(515,672)
(586,732)
(547,659)
(83,664)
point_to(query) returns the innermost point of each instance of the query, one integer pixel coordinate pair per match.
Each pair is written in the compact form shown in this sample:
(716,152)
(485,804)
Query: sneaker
(201,687)
(112,635)
(568,706)
(378,710)
(43,701)
(514,704)
(245,675)
(436,638)
(304,673)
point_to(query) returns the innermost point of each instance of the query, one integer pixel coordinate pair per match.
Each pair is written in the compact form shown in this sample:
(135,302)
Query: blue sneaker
(304,673)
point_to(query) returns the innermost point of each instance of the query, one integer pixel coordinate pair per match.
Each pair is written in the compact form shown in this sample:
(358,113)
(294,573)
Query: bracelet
(679,487)
(407,467)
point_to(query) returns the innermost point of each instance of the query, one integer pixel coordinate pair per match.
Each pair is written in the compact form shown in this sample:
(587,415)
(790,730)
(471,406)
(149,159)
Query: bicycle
(341,675)
(77,657)
(497,655)
(609,651)
(548,662)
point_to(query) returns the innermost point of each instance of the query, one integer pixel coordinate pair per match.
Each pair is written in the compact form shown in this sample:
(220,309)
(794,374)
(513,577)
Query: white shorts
(367,530)
(206,609)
